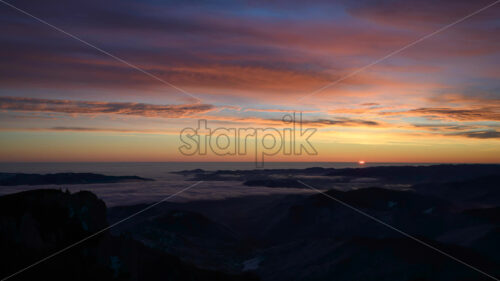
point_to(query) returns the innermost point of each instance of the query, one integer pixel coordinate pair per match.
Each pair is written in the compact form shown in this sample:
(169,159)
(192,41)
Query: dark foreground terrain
(35,224)
(452,208)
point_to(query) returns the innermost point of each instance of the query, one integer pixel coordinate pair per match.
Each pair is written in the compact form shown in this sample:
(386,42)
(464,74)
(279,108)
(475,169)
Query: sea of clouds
(131,193)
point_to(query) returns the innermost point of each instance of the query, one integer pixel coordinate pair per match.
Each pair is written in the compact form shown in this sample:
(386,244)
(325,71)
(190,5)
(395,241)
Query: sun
(361,162)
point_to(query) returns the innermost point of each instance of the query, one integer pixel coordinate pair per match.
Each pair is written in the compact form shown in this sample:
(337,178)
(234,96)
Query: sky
(142,71)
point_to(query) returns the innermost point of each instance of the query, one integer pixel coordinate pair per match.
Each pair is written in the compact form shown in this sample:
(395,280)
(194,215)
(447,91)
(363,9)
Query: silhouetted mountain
(339,235)
(382,174)
(274,183)
(35,224)
(11,179)
(363,258)
(249,175)
(321,216)
(483,190)
(419,174)
(316,238)
(321,239)
(488,214)
(191,236)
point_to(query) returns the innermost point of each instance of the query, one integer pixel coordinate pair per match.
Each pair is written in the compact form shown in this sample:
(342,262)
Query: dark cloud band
(98,107)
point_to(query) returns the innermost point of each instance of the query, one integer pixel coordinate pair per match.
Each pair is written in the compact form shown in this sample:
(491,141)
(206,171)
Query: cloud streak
(99,107)
(447,113)
(487,134)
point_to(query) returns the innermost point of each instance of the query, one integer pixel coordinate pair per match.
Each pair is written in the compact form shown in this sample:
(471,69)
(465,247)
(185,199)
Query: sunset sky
(239,65)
